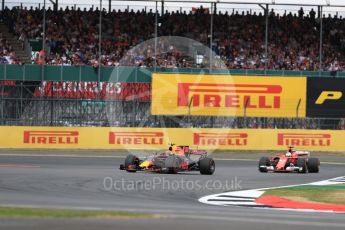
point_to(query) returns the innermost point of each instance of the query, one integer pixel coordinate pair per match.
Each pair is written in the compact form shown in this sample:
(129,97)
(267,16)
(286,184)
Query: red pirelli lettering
(216,139)
(229,95)
(50,137)
(300,139)
(136,138)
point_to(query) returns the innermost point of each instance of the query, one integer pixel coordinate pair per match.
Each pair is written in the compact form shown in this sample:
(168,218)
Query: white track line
(249,196)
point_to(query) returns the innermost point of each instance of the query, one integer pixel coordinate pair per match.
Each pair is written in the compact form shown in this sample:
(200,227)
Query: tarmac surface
(92,180)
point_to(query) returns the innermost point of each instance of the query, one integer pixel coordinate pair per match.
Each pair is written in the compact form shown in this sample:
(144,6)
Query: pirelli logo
(328,96)
(229,95)
(51,137)
(136,138)
(225,139)
(298,139)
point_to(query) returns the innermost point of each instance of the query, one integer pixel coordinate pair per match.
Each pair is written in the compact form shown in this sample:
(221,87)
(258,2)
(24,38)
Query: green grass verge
(23,212)
(329,194)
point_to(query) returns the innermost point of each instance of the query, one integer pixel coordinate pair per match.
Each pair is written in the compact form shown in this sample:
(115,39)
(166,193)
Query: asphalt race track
(87,182)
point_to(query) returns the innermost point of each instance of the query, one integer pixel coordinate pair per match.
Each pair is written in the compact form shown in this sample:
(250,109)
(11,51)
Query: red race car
(175,159)
(291,161)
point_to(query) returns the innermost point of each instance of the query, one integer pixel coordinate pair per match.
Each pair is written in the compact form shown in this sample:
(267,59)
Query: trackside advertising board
(159,138)
(220,95)
(326,97)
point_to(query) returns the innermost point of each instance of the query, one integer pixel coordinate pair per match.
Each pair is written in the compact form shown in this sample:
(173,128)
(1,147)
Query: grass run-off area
(329,194)
(24,212)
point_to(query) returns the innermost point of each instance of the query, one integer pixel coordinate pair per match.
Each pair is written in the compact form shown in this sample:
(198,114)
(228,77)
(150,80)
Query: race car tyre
(313,165)
(264,161)
(302,163)
(207,166)
(172,164)
(131,160)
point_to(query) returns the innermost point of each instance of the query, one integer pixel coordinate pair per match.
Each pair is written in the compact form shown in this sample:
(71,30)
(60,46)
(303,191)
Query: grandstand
(307,43)
(238,37)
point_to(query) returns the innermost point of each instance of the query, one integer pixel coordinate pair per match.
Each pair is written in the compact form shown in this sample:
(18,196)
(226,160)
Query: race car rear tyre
(172,164)
(131,160)
(302,163)
(264,161)
(313,165)
(207,166)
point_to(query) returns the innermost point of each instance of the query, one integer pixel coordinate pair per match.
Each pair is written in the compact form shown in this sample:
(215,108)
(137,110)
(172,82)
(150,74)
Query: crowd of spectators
(7,53)
(72,38)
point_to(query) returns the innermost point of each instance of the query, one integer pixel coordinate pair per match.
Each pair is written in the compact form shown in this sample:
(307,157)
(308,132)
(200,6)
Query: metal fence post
(21,101)
(99,46)
(156,34)
(44,26)
(52,105)
(266,39)
(211,36)
(320,51)
(2,103)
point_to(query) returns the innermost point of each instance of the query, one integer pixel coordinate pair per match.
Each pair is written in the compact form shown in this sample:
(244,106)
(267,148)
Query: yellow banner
(159,138)
(219,95)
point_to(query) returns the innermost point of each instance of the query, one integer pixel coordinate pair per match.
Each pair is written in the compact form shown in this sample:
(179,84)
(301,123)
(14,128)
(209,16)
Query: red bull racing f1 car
(291,161)
(176,159)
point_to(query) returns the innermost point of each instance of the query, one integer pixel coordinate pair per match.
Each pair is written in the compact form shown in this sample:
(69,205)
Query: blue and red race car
(175,159)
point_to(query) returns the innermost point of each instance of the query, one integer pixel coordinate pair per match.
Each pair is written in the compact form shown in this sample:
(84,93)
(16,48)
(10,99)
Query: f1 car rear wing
(198,152)
(302,153)
(185,149)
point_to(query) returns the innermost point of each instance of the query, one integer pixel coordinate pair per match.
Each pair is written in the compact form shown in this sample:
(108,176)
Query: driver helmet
(289,152)
(169,151)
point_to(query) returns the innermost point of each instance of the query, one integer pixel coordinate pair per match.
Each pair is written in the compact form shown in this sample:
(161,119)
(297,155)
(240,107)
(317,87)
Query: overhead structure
(328,3)
(317,3)
(55,4)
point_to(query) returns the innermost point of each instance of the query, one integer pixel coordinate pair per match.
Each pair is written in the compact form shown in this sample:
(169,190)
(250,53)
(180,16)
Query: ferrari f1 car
(176,159)
(291,161)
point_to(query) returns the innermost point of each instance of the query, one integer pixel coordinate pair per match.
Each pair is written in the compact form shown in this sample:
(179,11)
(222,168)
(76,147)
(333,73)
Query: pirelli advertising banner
(326,97)
(159,138)
(220,95)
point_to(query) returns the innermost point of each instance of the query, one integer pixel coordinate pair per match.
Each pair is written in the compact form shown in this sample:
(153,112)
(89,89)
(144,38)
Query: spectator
(238,38)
